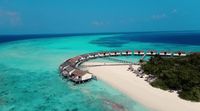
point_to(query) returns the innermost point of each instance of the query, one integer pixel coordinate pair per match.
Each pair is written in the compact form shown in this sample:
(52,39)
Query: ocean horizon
(30,79)
(15,37)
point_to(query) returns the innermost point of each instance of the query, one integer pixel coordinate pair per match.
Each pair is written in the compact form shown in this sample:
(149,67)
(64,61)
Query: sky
(94,16)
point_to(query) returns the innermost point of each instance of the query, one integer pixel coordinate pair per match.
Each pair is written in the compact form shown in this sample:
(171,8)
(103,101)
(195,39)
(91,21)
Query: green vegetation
(181,74)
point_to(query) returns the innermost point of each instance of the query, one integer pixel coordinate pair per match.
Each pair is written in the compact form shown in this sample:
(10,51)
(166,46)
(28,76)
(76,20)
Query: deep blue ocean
(187,38)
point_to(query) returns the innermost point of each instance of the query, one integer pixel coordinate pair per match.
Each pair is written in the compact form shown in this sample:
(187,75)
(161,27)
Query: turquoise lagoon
(30,81)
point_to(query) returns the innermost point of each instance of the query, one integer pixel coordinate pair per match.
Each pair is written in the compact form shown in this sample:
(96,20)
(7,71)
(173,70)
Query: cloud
(99,23)
(159,16)
(174,11)
(127,21)
(12,18)
(164,15)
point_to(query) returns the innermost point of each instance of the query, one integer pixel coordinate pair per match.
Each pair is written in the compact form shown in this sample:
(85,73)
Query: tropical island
(181,74)
(177,72)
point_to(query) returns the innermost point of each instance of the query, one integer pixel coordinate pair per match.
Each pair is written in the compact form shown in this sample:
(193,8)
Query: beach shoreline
(140,90)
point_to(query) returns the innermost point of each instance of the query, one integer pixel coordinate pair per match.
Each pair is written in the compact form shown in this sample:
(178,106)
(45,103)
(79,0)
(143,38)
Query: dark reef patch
(185,38)
(110,41)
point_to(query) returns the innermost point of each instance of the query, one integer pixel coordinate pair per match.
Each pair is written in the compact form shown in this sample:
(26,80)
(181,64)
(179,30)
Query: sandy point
(140,90)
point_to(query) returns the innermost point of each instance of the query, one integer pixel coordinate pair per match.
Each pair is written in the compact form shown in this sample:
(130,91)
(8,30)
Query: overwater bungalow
(64,67)
(112,53)
(68,71)
(61,66)
(96,54)
(151,53)
(101,54)
(179,53)
(106,53)
(165,53)
(73,61)
(118,53)
(79,76)
(85,57)
(91,55)
(65,64)
(123,52)
(138,52)
(128,52)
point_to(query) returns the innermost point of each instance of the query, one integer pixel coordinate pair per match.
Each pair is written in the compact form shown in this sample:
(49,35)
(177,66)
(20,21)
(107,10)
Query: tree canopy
(176,73)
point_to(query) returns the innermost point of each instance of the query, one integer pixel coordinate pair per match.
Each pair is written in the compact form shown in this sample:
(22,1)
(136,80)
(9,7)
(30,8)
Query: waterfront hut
(101,54)
(179,53)
(82,58)
(96,54)
(165,53)
(106,53)
(112,53)
(118,53)
(61,66)
(151,53)
(80,76)
(74,61)
(77,59)
(123,52)
(91,55)
(65,64)
(67,71)
(85,57)
(127,52)
(64,67)
(138,52)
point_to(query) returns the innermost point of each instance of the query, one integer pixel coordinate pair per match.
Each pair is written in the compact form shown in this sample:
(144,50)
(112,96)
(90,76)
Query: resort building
(80,76)
(67,71)
(101,54)
(124,53)
(91,55)
(151,53)
(118,53)
(64,65)
(85,57)
(112,53)
(179,53)
(165,53)
(106,53)
(127,52)
(138,52)
(96,54)
(74,60)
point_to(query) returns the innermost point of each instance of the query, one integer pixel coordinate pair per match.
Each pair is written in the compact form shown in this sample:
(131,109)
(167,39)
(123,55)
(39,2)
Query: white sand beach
(139,90)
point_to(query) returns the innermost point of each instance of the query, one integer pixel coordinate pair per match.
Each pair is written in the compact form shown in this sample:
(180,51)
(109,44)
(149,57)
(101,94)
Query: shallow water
(29,78)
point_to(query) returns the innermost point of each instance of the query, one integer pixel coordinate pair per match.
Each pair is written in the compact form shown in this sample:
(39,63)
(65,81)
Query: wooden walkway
(143,57)
(83,66)
(117,60)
